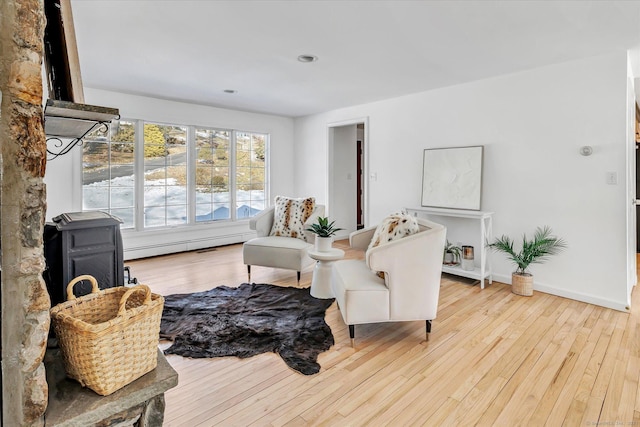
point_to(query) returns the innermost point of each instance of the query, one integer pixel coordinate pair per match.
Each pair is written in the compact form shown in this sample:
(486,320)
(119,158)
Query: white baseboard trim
(589,299)
(168,247)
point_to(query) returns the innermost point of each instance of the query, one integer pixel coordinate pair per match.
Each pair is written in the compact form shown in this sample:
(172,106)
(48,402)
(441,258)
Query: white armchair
(278,252)
(411,287)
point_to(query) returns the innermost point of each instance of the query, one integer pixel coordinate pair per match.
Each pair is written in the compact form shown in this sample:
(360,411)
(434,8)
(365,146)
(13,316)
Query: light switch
(373,176)
(612,178)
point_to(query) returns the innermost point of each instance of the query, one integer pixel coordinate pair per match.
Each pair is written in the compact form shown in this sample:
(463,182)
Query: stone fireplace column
(25,302)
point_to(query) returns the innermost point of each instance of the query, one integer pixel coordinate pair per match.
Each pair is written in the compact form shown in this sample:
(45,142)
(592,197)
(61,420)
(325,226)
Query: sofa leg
(352,334)
(428,329)
(249,273)
(298,278)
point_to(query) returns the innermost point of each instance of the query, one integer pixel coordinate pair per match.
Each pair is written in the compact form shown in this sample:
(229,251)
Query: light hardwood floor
(493,359)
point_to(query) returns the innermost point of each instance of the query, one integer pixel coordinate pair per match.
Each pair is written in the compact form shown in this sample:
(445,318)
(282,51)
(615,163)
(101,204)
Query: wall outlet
(612,178)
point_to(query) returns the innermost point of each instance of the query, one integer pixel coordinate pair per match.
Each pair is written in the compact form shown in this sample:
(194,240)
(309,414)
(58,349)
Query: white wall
(532,125)
(64,175)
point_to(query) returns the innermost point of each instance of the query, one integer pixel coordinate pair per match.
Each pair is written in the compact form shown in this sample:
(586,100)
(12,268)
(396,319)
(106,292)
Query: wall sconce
(586,150)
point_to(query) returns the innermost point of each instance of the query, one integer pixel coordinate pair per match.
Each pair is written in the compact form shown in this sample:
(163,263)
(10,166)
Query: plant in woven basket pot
(324,231)
(452,254)
(536,250)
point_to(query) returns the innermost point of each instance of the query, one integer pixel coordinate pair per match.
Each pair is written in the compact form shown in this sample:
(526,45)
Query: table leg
(321,281)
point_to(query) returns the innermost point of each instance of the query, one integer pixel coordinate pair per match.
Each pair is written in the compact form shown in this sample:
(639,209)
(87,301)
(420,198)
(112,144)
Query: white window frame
(191,167)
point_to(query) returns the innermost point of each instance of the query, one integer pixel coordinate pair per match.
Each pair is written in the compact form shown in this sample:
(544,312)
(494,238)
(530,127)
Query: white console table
(485,230)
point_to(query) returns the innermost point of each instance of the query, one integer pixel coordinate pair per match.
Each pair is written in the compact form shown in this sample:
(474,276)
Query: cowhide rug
(248,320)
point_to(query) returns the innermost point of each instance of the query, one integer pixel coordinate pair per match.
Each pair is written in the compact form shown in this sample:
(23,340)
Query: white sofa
(278,252)
(411,287)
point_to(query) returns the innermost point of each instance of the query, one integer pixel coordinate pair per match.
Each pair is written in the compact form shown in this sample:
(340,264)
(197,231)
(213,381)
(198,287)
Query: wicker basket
(110,337)
(522,284)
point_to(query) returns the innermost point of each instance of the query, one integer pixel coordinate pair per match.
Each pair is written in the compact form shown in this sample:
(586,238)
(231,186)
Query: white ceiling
(368,50)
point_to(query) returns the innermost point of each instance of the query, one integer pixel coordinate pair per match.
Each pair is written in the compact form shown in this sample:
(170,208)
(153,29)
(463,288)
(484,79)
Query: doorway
(347,199)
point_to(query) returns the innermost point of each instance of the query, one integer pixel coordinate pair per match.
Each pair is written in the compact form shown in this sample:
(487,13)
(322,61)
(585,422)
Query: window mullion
(267,171)
(191,175)
(139,175)
(232,176)
(109,171)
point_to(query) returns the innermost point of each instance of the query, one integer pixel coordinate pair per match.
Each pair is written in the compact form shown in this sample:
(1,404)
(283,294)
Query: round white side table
(321,281)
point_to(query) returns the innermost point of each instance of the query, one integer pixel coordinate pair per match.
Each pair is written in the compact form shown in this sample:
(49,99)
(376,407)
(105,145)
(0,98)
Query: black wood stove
(80,243)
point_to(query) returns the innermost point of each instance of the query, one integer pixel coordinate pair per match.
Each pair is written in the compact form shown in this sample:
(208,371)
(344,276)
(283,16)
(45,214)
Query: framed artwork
(452,177)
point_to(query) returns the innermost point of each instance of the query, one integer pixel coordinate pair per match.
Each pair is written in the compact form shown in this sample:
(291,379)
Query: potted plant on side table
(324,231)
(452,254)
(543,245)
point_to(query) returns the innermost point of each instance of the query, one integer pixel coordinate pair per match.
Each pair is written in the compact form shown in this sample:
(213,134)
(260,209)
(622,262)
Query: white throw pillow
(394,227)
(290,215)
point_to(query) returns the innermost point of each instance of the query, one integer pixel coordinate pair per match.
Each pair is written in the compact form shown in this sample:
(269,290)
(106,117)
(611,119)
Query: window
(212,174)
(108,172)
(250,173)
(165,175)
(155,175)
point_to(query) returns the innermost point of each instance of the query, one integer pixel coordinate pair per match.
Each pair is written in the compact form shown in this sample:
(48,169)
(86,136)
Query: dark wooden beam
(61,53)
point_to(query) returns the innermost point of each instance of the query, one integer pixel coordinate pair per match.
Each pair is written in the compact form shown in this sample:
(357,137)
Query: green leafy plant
(456,251)
(323,228)
(154,141)
(533,251)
